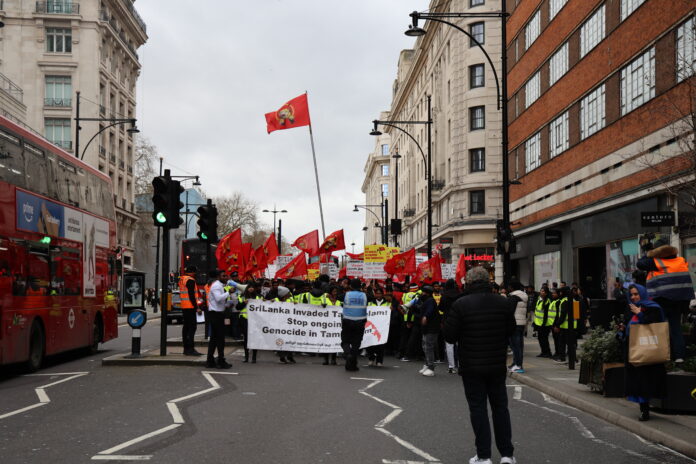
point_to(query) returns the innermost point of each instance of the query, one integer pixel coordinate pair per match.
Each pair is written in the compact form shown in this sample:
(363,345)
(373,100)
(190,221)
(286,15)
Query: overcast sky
(211,69)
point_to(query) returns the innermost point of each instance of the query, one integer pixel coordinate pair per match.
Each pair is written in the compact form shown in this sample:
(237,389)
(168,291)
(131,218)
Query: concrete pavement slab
(676,431)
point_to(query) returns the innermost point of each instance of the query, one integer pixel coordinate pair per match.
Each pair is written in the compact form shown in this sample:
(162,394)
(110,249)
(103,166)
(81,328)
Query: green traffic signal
(46,240)
(161,218)
(204,236)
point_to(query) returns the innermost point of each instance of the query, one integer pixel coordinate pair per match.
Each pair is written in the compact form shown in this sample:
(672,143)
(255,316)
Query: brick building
(599,96)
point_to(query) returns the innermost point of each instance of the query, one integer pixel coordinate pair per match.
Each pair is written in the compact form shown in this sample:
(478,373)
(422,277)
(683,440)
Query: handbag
(648,344)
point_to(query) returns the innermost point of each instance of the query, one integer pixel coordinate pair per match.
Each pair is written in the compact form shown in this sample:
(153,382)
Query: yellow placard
(312,274)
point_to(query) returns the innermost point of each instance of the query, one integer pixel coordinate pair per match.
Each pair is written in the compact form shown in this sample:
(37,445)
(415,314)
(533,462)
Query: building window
(385,190)
(628,7)
(478,159)
(555,6)
(532,148)
(558,64)
(477,117)
(58,40)
(58,91)
(686,50)
(592,112)
(532,90)
(592,32)
(638,82)
(385,150)
(476,76)
(477,202)
(58,131)
(385,169)
(473,3)
(531,31)
(558,135)
(476,30)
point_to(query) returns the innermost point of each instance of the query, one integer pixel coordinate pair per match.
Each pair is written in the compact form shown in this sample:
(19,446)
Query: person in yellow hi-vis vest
(249,294)
(410,332)
(543,321)
(565,325)
(332,300)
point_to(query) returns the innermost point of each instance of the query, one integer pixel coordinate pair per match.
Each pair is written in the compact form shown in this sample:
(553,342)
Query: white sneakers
(505,460)
(428,373)
(422,369)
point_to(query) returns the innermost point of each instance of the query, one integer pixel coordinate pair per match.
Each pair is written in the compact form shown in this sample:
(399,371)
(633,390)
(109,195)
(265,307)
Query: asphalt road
(76,411)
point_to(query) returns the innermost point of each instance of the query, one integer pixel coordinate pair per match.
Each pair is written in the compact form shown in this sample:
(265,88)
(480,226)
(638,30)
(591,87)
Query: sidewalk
(675,431)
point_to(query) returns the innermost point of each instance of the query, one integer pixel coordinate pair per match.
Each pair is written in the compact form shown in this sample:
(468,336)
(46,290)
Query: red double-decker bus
(57,251)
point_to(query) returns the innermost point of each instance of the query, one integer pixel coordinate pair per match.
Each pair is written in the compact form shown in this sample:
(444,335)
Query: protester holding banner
(249,294)
(285,295)
(375,353)
(217,299)
(331,300)
(353,325)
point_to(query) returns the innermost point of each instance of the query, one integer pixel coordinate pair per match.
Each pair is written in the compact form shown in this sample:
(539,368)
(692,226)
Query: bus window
(11,164)
(6,274)
(37,173)
(66,271)
(38,276)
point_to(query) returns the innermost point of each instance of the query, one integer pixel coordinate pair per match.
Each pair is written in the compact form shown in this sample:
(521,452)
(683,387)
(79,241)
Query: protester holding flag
(375,353)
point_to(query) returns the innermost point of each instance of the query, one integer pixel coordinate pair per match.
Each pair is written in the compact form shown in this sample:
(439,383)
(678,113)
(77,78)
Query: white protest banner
(377,326)
(354,269)
(447,270)
(329,269)
(286,326)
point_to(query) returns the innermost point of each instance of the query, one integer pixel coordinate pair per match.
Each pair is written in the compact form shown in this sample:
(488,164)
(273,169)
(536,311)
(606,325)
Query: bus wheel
(36,347)
(96,335)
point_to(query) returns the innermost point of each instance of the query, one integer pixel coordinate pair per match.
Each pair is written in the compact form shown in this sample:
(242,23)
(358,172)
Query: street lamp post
(380,221)
(396,156)
(501,86)
(114,122)
(426,159)
(276,211)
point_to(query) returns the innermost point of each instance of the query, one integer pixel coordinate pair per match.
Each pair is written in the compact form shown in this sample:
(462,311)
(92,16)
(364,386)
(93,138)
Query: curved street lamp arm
(479,45)
(100,131)
(410,136)
(379,220)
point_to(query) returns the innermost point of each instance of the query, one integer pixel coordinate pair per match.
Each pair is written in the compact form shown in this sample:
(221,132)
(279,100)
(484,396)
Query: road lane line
(177,418)
(41,392)
(518,393)
(391,416)
(660,447)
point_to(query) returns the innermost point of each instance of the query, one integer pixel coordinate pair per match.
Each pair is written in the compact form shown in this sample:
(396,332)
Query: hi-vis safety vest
(308,298)
(384,303)
(406,299)
(337,303)
(539,313)
(553,311)
(183,292)
(672,280)
(564,324)
(243,311)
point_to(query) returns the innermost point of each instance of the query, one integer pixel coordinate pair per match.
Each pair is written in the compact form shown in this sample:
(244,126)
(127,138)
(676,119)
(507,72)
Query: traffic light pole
(165,290)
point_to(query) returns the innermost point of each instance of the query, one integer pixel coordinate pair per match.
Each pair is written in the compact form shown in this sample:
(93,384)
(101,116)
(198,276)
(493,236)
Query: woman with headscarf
(644,382)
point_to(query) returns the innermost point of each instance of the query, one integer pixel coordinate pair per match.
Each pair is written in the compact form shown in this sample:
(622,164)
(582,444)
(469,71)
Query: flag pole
(316,174)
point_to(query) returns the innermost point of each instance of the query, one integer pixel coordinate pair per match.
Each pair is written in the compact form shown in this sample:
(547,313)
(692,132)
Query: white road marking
(660,447)
(518,393)
(552,400)
(41,392)
(177,418)
(585,432)
(390,417)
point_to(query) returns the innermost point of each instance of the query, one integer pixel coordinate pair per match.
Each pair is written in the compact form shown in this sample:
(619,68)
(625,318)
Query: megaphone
(241,287)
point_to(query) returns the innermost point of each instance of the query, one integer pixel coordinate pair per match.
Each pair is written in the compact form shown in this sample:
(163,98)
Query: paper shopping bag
(648,344)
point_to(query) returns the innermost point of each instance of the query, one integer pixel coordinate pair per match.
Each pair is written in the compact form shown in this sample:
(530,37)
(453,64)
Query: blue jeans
(517,345)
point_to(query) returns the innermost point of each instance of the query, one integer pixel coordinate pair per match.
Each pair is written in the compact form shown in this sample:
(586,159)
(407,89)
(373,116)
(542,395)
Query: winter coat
(481,322)
(518,299)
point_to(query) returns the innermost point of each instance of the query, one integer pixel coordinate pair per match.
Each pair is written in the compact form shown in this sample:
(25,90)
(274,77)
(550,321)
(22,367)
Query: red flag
(342,273)
(294,113)
(460,273)
(226,246)
(429,271)
(356,257)
(325,258)
(270,249)
(261,259)
(296,267)
(256,263)
(309,243)
(333,242)
(402,263)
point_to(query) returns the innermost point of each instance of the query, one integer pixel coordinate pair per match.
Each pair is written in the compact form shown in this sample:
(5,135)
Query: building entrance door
(592,270)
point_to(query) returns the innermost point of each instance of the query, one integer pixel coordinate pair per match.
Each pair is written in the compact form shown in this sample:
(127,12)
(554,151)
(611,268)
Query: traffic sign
(137,318)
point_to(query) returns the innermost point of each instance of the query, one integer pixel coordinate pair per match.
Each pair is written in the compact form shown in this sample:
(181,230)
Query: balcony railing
(10,87)
(112,158)
(409,212)
(58,102)
(102,110)
(438,184)
(102,152)
(58,7)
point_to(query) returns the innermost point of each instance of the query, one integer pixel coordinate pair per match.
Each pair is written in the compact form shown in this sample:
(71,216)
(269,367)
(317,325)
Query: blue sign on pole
(137,319)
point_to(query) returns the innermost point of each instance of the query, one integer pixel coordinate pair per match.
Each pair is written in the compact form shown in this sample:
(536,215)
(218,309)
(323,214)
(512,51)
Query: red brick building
(599,94)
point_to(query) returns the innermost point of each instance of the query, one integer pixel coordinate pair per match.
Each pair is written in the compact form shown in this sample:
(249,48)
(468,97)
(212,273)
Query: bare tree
(146,159)
(236,211)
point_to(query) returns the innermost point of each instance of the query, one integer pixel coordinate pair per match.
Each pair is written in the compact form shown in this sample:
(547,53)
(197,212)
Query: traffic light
(503,237)
(160,200)
(207,222)
(175,204)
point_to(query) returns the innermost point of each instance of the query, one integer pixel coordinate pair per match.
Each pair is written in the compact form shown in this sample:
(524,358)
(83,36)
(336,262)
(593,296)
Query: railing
(10,87)
(123,203)
(61,102)
(102,152)
(132,207)
(58,7)
(136,16)
(112,158)
(409,212)
(438,184)
(64,144)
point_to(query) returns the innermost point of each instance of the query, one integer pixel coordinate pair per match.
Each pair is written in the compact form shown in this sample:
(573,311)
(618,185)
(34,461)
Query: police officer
(188,292)
(543,321)
(566,326)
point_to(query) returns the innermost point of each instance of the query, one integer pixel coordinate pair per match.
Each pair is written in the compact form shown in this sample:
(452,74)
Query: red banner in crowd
(460,273)
(309,243)
(333,242)
(295,268)
(429,271)
(402,263)
(270,249)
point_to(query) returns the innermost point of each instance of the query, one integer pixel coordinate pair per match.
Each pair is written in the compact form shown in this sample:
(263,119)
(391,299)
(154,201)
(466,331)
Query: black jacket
(449,296)
(481,322)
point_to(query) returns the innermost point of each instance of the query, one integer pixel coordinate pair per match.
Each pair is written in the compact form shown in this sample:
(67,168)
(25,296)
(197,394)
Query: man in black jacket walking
(481,322)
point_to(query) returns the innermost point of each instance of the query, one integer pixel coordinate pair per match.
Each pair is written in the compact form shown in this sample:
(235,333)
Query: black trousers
(556,342)
(188,330)
(567,343)
(490,387)
(217,336)
(543,336)
(410,340)
(351,338)
(376,353)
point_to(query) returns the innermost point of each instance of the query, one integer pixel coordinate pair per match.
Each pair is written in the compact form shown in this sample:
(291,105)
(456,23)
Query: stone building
(53,49)
(376,186)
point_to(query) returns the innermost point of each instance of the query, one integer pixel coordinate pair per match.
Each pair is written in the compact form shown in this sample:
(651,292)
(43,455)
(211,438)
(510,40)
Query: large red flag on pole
(295,268)
(270,249)
(460,273)
(402,263)
(308,243)
(228,244)
(333,242)
(430,270)
(294,113)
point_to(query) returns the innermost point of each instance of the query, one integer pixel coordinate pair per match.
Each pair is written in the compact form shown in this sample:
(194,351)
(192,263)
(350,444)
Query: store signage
(552,237)
(445,240)
(476,257)
(656,218)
